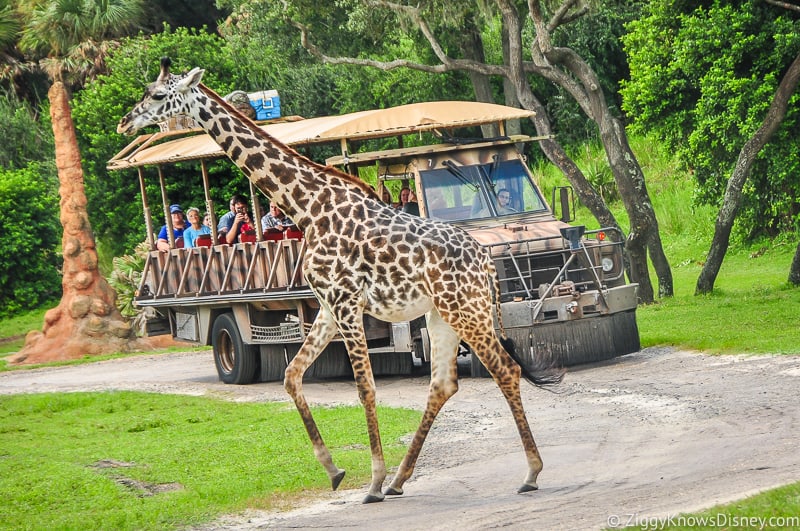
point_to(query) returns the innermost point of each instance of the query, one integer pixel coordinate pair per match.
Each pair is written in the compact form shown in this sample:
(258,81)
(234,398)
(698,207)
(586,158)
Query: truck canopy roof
(157,148)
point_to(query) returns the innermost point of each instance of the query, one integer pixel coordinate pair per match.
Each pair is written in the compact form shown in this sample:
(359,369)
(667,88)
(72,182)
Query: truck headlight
(607,264)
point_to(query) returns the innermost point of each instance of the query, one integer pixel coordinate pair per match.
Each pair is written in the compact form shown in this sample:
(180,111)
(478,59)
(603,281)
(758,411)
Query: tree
(794,270)
(702,78)
(69,38)
(560,66)
(733,192)
(98,107)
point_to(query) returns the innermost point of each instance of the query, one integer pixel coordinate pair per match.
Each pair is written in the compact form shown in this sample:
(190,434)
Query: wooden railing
(266,266)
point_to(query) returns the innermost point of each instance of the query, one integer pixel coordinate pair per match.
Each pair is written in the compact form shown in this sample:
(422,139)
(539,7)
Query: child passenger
(197,228)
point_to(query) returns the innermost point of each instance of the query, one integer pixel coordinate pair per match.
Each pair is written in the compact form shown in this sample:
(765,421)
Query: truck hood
(534,235)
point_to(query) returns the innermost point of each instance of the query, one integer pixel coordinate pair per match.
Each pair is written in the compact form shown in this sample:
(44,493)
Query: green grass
(752,309)
(772,509)
(13,330)
(208,456)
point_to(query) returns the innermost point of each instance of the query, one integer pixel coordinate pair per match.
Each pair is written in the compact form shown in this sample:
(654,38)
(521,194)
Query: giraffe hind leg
(322,331)
(506,374)
(352,331)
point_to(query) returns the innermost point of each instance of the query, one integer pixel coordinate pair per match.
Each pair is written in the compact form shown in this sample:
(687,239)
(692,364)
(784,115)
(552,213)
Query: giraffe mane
(330,170)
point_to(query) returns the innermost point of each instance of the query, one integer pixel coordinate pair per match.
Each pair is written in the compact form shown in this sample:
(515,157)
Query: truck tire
(236,362)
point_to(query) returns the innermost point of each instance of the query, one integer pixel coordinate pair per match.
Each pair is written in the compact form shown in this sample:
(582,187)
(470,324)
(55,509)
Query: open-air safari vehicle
(563,290)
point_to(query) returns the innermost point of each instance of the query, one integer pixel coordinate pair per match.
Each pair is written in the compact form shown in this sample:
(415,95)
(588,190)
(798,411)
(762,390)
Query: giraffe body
(362,257)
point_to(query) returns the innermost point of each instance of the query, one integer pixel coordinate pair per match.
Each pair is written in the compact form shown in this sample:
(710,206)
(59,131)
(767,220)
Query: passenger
(276,221)
(405,194)
(504,202)
(411,206)
(225,221)
(178,226)
(386,195)
(240,222)
(436,200)
(207,220)
(196,229)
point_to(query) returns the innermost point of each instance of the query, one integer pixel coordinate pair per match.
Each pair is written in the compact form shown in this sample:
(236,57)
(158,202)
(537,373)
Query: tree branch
(784,5)
(563,16)
(448,64)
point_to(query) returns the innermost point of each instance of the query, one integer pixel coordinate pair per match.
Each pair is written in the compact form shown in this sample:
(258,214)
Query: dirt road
(645,436)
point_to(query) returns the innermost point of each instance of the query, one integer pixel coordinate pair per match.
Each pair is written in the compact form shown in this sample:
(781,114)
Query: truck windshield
(479,191)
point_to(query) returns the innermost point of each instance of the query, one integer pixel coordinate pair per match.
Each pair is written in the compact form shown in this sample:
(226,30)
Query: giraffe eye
(159,96)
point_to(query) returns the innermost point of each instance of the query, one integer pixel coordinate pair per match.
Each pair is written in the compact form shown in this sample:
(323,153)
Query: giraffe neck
(286,177)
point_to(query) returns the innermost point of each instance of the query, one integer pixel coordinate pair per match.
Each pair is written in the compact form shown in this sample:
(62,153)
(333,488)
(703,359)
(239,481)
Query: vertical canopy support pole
(165,203)
(209,202)
(256,211)
(148,219)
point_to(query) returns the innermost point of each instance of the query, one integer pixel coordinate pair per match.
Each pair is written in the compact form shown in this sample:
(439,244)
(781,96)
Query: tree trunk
(566,69)
(512,54)
(472,48)
(86,321)
(733,192)
(794,270)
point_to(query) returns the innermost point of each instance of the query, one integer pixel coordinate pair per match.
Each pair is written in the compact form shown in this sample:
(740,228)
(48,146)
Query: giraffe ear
(191,79)
(164,73)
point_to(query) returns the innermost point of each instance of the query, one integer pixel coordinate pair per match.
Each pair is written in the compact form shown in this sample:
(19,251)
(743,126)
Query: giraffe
(364,257)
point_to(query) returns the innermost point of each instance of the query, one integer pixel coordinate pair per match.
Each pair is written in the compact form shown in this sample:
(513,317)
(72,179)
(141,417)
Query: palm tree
(68,40)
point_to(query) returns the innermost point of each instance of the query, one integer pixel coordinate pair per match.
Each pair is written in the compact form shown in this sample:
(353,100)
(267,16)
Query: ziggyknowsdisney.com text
(721,520)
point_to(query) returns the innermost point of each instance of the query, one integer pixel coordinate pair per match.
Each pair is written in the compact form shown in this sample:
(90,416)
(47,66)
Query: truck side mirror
(566,203)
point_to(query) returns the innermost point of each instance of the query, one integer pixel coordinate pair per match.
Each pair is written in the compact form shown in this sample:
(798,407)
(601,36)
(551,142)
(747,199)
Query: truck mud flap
(333,363)
(571,343)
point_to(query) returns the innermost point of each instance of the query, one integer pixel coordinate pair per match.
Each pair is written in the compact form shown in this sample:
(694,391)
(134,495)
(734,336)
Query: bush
(125,279)
(29,265)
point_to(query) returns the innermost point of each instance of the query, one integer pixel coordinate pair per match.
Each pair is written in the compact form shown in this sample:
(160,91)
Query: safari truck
(563,295)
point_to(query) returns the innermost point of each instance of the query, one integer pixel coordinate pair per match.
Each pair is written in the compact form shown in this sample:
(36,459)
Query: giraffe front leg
(322,331)
(444,384)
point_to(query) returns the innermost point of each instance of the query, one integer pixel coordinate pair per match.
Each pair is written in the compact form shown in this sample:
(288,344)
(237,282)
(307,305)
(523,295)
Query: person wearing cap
(178,226)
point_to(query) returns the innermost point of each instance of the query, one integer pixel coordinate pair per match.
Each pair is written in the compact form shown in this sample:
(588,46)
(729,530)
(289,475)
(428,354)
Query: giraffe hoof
(372,498)
(391,491)
(527,488)
(335,480)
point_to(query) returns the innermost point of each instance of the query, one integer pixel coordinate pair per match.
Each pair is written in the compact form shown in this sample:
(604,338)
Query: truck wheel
(236,362)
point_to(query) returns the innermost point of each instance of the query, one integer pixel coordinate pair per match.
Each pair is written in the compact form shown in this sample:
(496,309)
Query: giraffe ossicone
(363,257)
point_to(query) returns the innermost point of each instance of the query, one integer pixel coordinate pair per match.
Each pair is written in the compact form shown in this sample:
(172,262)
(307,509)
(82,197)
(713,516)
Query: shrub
(29,263)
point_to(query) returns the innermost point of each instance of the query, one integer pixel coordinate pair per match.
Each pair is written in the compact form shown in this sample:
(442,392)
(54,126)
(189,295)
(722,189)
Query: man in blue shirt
(226,220)
(178,226)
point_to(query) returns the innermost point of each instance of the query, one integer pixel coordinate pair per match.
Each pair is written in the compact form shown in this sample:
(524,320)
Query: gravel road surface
(645,436)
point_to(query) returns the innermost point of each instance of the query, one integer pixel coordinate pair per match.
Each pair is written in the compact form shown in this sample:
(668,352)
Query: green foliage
(26,136)
(123,460)
(29,275)
(270,50)
(125,279)
(595,37)
(115,208)
(702,79)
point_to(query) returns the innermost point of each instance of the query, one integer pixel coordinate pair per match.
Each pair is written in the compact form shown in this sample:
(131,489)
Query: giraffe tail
(540,372)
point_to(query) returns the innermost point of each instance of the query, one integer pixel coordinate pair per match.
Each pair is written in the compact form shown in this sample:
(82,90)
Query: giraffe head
(167,96)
